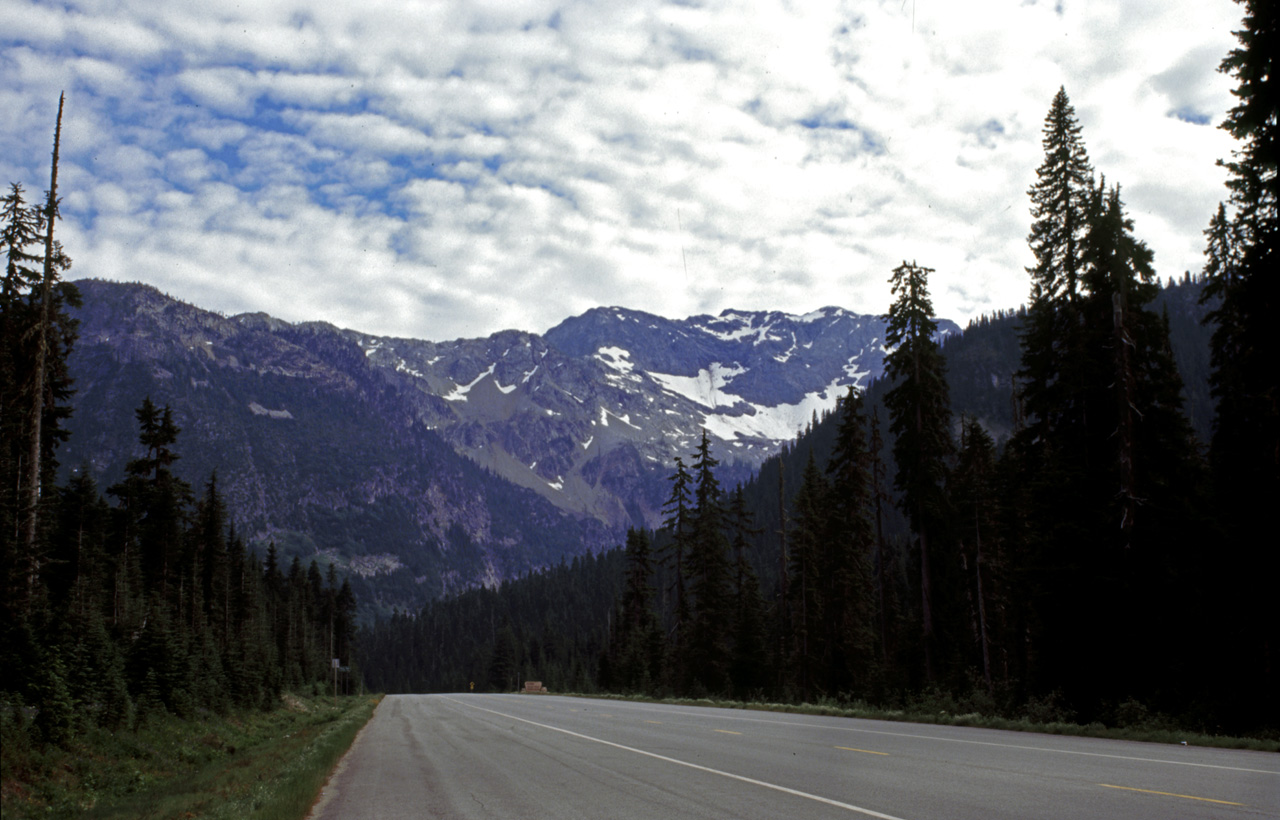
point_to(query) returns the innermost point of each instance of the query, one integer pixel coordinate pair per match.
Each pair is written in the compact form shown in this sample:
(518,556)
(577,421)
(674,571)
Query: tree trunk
(34,456)
(1126,389)
(982,606)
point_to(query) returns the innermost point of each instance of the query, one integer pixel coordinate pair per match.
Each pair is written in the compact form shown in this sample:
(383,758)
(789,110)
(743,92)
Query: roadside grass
(1154,729)
(246,764)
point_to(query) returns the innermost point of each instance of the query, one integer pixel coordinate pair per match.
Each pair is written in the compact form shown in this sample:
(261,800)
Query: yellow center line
(726,732)
(864,751)
(654,721)
(1170,794)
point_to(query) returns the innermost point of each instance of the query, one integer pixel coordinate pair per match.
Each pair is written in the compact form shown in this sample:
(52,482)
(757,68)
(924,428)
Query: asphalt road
(531,756)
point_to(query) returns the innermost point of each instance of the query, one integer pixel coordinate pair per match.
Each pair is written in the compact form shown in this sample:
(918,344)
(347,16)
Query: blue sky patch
(1188,114)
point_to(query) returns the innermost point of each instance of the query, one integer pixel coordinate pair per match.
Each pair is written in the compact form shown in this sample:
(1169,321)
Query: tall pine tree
(679,521)
(848,617)
(707,661)
(920,418)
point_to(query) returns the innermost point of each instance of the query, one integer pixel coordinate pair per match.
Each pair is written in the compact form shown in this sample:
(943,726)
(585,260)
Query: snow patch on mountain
(706,388)
(460,391)
(616,358)
(403,367)
(855,374)
(779,422)
(786,357)
(747,328)
(814,315)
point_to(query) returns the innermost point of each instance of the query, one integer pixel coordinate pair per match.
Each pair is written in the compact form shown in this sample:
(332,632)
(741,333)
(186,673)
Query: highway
(539,756)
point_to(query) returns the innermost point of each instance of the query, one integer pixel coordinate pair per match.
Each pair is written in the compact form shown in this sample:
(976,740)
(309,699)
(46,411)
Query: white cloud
(448,169)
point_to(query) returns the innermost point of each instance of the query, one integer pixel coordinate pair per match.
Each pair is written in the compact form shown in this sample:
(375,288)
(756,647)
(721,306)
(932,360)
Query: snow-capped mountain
(591,414)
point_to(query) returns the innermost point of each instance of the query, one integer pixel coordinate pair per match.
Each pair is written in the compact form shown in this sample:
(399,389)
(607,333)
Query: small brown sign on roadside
(534,687)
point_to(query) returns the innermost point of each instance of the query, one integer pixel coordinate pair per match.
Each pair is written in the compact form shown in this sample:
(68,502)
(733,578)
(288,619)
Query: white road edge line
(963,740)
(730,775)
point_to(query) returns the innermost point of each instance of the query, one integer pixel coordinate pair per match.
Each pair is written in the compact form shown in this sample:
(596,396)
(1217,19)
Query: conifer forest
(145,598)
(1098,561)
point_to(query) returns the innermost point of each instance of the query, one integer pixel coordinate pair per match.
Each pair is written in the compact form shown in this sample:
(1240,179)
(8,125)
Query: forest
(115,607)
(1094,561)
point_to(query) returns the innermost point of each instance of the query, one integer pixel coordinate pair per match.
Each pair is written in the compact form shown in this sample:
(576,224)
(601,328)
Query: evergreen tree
(74,574)
(1241,278)
(1062,358)
(782,610)
(920,419)
(849,621)
(19,233)
(881,570)
(503,664)
(1135,465)
(675,556)
(165,497)
(809,537)
(1152,453)
(1052,344)
(976,503)
(750,657)
(707,662)
(636,652)
(1060,201)
(213,549)
(1106,464)
(1059,204)
(345,622)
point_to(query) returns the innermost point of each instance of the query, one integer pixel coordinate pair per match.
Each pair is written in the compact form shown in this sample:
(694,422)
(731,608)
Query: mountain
(315,448)
(591,414)
(423,467)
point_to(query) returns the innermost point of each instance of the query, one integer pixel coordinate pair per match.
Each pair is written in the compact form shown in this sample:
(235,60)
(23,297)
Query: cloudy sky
(441,169)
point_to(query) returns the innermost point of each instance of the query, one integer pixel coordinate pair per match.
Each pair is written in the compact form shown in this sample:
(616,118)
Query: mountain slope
(314,447)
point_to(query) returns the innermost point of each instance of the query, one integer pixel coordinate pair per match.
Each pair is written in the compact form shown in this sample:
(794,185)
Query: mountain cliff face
(422,467)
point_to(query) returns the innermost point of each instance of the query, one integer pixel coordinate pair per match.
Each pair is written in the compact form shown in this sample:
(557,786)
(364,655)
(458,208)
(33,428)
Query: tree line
(149,601)
(550,626)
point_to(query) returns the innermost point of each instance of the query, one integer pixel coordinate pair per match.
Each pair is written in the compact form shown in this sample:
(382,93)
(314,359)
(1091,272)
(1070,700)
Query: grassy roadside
(250,764)
(1154,730)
